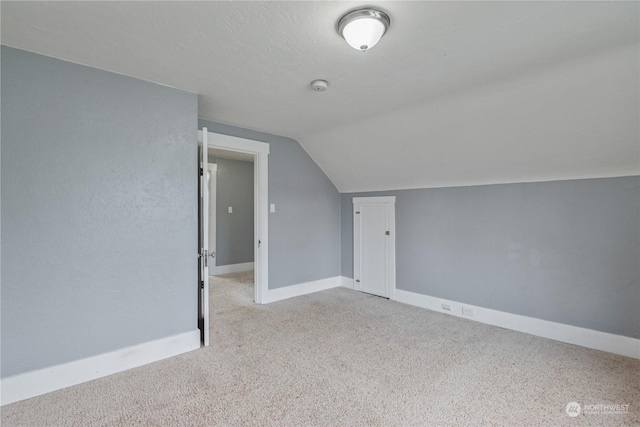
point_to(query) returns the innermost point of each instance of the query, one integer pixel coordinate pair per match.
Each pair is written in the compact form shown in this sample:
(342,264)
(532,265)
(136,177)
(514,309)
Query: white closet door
(374,245)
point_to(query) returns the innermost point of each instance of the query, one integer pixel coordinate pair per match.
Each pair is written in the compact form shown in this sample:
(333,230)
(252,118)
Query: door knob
(212,254)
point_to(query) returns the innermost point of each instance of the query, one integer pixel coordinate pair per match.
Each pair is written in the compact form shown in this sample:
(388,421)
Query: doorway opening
(231,225)
(226,247)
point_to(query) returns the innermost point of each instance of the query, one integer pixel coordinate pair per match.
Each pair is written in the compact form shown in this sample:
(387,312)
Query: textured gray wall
(304,232)
(563,251)
(234,231)
(99,211)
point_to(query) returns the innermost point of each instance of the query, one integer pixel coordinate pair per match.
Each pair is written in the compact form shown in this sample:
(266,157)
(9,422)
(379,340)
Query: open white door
(204,241)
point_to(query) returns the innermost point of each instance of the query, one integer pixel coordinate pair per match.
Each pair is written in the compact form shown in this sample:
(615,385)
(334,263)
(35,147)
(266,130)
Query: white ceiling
(456,93)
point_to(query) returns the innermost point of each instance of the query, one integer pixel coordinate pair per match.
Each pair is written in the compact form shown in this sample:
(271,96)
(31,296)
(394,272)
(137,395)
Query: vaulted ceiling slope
(456,93)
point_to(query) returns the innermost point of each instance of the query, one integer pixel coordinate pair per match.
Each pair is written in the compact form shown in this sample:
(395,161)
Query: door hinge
(202,284)
(358,213)
(201,172)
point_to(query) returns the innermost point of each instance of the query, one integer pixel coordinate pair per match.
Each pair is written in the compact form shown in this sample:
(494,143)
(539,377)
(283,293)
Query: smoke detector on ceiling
(319,85)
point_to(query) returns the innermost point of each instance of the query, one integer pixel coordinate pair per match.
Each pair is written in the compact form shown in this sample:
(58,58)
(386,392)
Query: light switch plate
(230,209)
(272,207)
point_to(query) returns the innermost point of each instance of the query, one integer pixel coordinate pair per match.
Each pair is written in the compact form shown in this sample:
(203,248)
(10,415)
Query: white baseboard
(597,340)
(301,289)
(346,282)
(35,383)
(231,268)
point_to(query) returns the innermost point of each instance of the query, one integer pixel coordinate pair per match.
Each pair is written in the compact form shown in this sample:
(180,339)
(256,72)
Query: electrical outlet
(446,307)
(467,310)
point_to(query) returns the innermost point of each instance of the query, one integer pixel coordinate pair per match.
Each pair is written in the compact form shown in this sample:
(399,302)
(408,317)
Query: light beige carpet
(342,358)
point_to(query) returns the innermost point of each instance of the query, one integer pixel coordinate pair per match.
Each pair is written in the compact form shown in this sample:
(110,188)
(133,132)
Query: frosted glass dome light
(363,28)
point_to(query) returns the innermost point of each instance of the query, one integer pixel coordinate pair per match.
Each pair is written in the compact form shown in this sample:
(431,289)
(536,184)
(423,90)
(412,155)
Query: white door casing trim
(376,199)
(212,168)
(260,152)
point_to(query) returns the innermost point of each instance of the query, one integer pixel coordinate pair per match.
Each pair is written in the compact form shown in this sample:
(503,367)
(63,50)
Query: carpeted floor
(343,358)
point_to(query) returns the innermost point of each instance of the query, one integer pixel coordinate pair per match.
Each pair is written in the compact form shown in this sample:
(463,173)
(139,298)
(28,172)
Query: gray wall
(304,232)
(563,251)
(234,231)
(99,211)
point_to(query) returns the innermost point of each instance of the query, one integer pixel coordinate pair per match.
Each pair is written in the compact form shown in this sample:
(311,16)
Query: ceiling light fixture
(363,28)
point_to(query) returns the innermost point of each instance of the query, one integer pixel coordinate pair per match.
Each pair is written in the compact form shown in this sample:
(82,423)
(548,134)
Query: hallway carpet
(343,358)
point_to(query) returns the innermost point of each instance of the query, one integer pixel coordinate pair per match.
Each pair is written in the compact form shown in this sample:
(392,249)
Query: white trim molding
(346,282)
(300,289)
(589,338)
(375,199)
(41,381)
(231,268)
(234,143)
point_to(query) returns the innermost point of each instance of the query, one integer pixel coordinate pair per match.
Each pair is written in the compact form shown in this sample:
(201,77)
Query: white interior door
(374,245)
(204,241)
(212,178)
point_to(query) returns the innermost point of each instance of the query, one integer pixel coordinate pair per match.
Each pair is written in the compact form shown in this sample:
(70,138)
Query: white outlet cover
(230,209)
(272,207)
(468,311)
